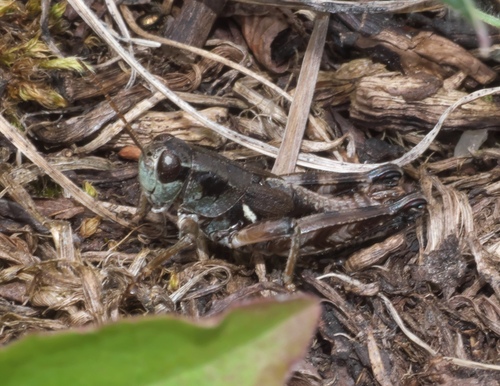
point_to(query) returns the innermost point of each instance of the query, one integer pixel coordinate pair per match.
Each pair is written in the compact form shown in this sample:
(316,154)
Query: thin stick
(22,144)
(297,117)
(351,6)
(415,339)
(307,160)
(113,105)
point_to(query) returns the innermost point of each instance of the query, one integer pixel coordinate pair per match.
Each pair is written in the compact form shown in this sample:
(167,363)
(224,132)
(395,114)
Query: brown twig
(297,118)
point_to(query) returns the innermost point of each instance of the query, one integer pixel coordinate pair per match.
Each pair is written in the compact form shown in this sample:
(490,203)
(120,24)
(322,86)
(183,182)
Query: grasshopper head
(163,168)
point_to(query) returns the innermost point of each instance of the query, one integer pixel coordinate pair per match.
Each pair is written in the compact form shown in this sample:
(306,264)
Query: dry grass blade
(351,6)
(353,285)
(376,361)
(307,160)
(297,118)
(415,339)
(21,143)
(418,150)
(115,128)
(183,291)
(62,234)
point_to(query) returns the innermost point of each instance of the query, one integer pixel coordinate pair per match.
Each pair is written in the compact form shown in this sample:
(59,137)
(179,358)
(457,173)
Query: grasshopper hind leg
(291,261)
(271,230)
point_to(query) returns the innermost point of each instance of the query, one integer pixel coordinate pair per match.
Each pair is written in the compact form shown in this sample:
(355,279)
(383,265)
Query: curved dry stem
(307,160)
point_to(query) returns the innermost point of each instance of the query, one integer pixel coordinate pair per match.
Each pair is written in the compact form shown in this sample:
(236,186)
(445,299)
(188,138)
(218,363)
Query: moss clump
(27,64)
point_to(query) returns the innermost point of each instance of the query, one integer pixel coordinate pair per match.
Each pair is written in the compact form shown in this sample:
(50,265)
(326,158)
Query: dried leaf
(260,33)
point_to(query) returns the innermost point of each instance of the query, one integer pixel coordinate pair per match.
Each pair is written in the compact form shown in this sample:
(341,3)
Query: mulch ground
(427,296)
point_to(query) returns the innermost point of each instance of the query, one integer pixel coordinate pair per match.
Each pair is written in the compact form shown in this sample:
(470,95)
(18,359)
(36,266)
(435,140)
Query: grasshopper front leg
(189,227)
(189,235)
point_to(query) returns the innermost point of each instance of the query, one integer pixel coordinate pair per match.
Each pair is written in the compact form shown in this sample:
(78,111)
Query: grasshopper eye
(168,167)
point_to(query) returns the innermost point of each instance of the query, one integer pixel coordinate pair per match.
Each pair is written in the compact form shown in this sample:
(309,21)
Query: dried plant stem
(351,6)
(297,117)
(418,150)
(307,160)
(127,14)
(415,339)
(21,143)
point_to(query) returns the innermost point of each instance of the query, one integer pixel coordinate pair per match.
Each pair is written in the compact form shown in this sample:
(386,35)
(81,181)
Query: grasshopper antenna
(113,105)
(128,128)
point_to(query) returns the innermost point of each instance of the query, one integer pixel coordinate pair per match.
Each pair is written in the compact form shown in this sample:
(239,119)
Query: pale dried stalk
(379,371)
(181,293)
(117,17)
(297,117)
(307,160)
(20,142)
(415,339)
(350,6)
(264,105)
(115,128)
(353,285)
(62,234)
(419,149)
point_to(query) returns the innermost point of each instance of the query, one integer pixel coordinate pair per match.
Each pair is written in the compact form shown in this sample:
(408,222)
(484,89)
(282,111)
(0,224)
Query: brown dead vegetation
(421,307)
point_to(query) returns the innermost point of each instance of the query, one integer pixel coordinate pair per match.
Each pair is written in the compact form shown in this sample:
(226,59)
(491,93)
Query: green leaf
(252,345)
(488,19)
(476,17)
(465,7)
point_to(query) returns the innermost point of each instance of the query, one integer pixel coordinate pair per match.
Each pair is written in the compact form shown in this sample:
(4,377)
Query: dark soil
(385,80)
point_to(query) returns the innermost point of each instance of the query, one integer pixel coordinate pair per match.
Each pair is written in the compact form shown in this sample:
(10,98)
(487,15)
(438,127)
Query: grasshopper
(296,214)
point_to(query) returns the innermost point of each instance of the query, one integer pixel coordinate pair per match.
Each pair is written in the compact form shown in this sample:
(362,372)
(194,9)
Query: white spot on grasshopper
(249,214)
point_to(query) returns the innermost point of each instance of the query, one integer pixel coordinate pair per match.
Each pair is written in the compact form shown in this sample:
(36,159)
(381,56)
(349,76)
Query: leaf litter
(420,307)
